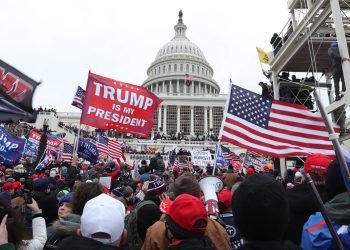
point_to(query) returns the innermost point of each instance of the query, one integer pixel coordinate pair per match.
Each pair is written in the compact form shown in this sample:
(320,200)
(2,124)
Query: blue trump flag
(220,160)
(11,148)
(87,150)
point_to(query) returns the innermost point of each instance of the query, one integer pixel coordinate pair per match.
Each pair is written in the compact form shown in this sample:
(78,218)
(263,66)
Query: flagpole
(76,143)
(333,137)
(222,123)
(216,155)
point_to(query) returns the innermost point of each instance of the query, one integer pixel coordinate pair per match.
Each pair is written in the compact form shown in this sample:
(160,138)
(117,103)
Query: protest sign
(111,104)
(258,161)
(11,148)
(201,158)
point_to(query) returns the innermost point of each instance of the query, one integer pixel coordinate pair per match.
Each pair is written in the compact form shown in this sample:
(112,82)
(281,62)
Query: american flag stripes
(115,150)
(229,155)
(67,152)
(273,127)
(102,146)
(78,98)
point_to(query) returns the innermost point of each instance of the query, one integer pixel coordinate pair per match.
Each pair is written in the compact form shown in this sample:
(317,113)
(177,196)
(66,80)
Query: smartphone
(27,197)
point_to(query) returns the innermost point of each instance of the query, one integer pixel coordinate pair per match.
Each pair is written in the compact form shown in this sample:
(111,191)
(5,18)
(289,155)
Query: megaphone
(210,185)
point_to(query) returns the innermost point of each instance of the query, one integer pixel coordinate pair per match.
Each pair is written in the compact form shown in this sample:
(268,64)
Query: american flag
(102,146)
(229,155)
(115,150)
(78,99)
(273,127)
(188,77)
(67,152)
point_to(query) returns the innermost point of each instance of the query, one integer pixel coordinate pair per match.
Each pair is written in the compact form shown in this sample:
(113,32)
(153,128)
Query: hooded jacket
(315,232)
(39,236)
(156,238)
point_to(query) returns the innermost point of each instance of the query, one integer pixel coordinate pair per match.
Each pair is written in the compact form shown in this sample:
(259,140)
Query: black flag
(16,94)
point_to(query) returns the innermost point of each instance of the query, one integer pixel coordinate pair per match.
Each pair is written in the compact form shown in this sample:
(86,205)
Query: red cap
(34,176)
(225,196)
(186,211)
(295,170)
(317,164)
(7,186)
(17,185)
(42,175)
(2,168)
(250,171)
(266,168)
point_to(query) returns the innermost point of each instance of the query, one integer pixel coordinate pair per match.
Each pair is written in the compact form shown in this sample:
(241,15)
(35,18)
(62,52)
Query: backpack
(133,238)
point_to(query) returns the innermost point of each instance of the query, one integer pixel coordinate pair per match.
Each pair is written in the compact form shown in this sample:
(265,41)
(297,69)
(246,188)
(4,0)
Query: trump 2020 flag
(111,104)
(220,160)
(11,148)
(273,127)
(87,150)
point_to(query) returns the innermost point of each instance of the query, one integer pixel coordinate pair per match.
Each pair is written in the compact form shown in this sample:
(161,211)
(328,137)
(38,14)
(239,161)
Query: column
(178,119)
(163,87)
(200,88)
(164,117)
(192,120)
(276,86)
(159,116)
(171,91)
(185,88)
(210,117)
(178,87)
(206,120)
(192,87)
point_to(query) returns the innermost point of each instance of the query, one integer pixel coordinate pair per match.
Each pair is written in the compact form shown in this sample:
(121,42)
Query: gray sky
(58,42)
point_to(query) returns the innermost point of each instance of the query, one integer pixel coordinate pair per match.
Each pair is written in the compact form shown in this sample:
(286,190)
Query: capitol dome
(180,68)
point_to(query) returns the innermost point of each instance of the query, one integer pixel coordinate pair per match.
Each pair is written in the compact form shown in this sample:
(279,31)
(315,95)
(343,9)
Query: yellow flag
(264,57)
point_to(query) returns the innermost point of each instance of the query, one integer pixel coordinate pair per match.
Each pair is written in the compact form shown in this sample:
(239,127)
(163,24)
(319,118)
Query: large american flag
(115,150)
(102,146)
(67,152)
(273,127)
(78,98)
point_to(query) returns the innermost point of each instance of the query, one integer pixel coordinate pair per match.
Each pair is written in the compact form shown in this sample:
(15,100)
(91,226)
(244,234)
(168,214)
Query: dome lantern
(180,27)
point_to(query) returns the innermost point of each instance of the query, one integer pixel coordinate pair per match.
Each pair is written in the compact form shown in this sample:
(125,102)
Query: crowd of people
(152,205)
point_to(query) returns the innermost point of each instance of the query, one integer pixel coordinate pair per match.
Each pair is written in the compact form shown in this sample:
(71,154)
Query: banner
(111,104)
(11,148)
(201,158)
(87,150)
(16,94)
(53,141)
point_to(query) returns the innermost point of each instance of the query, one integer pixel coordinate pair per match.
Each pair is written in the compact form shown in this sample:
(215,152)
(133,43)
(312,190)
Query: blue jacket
(316,235)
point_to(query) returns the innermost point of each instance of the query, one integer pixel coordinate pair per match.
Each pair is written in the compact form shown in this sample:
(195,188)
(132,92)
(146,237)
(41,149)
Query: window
(202,71)
(192,68)
(171,119)
(163,69)
(185,117)
(181,67)
(169,68)
(217,119)
(175,67)
(187,68)
(198,120)
(198,69)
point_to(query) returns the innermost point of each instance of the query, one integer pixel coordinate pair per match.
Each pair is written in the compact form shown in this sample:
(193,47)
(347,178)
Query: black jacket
(83,243)
(301,206)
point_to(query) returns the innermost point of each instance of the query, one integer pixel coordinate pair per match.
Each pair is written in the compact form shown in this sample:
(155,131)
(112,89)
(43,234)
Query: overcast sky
(58,42)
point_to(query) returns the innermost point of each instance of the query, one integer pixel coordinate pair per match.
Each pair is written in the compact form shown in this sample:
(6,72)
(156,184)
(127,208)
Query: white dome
(180,45)
(178,59)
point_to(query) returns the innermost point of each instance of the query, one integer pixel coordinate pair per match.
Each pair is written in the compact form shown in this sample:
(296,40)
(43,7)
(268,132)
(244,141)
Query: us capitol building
(182,77)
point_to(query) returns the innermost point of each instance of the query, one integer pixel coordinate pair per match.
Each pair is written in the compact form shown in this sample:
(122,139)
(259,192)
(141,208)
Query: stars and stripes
(102,146)
(273,127)
(67,152)
(48,160)
(78,98)
(115,150)
(229,155)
